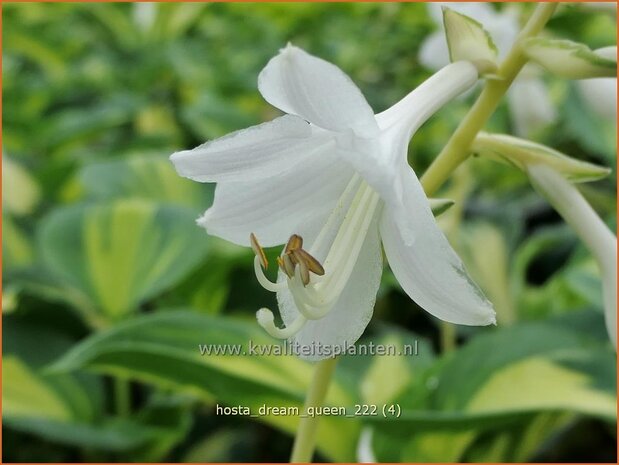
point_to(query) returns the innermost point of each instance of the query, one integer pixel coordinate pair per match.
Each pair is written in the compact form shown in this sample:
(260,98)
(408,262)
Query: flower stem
(457,148)
(305,440)
(448,337)
(122,397)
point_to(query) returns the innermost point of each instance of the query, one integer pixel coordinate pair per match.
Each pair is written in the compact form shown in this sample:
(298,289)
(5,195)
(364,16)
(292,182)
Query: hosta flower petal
(257,152)
(427,98)
(272,210)
(301,84)
(347,320)
(429,271)
(380,161)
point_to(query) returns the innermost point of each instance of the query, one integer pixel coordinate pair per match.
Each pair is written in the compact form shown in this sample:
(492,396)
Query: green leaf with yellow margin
(164,349)
(119,254)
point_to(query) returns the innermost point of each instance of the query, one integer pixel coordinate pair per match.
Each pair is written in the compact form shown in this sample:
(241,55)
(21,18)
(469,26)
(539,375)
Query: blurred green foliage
(109,286)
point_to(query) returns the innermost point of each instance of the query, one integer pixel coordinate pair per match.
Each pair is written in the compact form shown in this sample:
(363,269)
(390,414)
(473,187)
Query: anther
(303,268)
(288,265)
(295,242)
(258,251)
(312,264)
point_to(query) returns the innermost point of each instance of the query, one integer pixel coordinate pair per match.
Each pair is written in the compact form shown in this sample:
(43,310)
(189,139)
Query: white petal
(429,271)
(273,208)
(262,151)
(601,96)
(380,161)
(418,106)
(347,320)
(530,106)
(317,91)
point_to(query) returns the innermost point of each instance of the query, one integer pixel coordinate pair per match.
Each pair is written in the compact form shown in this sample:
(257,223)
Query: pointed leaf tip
(467,40)
(523,153)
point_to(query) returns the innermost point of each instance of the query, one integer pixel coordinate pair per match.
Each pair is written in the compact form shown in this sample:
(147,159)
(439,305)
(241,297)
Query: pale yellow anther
(258,251)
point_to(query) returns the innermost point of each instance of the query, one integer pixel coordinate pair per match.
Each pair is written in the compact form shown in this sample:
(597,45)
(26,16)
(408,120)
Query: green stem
(457,148)
(122,397)
(305,440)
(448,337)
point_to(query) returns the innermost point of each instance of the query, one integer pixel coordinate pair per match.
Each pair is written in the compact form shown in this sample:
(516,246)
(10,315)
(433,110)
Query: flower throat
(316,287)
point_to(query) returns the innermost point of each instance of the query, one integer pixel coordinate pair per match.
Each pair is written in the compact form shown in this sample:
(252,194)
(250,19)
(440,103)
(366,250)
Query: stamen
(312,264)
(350,190)
(316,301)
(308,308)
(315,297)
(303,268)
(295,242)
(288,265)
(264,281)
(258,251)
(267,321)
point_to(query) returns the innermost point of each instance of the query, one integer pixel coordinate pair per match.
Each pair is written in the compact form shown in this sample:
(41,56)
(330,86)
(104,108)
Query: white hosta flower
(602,243)
(529,103)
(330,180)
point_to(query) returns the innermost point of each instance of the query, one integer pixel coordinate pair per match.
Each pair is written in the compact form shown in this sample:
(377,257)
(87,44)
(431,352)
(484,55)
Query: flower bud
(467,40)
(571,60)
(523,153)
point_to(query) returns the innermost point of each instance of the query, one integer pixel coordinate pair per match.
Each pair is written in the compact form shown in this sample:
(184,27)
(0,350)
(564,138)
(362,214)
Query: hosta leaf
(480,362)
(147,177)
(26,394)
(16,246)
(164,349)
(67,408)
(20,191)
(119,254)
(109,434)
(487,257)
(499,381)
(555,383)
